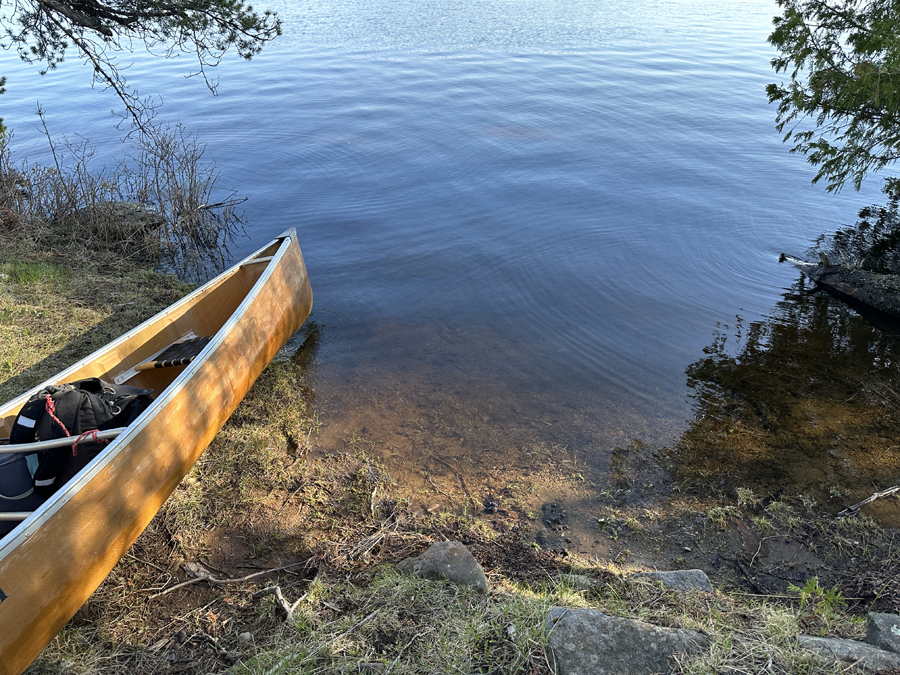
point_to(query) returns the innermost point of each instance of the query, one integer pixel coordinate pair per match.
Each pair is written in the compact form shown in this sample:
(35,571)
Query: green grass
(19,272)
(55,310)
(408,625)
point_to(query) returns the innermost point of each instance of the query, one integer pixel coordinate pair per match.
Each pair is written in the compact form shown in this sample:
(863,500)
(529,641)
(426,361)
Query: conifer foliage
(841,105)
(103,31)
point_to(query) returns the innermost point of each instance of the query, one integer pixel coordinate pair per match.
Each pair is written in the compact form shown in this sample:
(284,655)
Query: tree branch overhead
(101,31)
(842,58)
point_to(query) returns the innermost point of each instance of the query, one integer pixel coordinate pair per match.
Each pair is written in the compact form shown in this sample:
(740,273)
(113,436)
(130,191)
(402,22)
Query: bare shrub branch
(160,204)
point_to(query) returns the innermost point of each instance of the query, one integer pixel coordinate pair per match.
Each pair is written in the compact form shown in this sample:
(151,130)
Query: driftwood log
(874,295)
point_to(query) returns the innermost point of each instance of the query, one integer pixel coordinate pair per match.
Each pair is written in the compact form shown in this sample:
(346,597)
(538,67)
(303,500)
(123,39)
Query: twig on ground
(760,547)
(288,607)
(878,495)
(204,575)
(437,488)
(400,653)
(365,546)
(355,626)
(149,564)
(372,502)
(750,579)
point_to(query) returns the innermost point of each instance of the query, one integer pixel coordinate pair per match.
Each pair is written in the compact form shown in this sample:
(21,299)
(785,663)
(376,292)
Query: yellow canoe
(54,559)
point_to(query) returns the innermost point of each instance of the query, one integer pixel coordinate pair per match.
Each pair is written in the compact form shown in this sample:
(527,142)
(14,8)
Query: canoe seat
(179,353)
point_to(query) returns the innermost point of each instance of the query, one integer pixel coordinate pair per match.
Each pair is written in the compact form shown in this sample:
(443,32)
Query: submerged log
(874,295)
(878,291)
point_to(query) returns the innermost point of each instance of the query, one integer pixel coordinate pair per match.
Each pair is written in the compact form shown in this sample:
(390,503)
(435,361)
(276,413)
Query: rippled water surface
(523,219)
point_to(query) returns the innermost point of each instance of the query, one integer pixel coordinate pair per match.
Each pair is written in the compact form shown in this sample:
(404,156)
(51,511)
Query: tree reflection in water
(803,401)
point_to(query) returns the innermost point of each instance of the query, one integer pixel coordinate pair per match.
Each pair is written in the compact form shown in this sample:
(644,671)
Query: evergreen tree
(841,107)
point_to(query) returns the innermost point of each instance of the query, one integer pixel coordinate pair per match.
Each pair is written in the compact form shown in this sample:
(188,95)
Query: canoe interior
(203,315)
(52,561)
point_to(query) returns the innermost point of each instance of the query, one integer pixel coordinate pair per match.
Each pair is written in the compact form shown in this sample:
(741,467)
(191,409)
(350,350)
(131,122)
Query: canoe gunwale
(186,300)
(49,508)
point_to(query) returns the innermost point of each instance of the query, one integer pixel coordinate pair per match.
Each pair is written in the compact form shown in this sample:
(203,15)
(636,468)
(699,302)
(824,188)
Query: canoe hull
(49,567)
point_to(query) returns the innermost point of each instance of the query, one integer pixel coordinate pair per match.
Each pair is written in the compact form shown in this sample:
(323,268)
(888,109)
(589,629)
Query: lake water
(523,219)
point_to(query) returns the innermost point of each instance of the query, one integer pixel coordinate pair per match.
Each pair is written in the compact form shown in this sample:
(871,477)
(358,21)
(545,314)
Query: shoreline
(262,497)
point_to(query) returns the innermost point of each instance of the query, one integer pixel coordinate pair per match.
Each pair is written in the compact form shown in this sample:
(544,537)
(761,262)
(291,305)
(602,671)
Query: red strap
(93,433)
(51,409)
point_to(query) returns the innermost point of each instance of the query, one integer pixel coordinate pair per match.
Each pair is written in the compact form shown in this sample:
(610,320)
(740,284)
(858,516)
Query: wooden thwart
(257,261)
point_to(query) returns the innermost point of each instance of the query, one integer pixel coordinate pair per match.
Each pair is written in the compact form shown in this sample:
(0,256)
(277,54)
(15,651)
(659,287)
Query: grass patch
(19,272)
(404,624)
(55,310)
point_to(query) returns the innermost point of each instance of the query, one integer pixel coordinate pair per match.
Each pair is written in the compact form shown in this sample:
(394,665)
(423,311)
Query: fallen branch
(365,546)
(288,607)
(462,479)
(878,495)
(202,574)
(436,487)
(760,548)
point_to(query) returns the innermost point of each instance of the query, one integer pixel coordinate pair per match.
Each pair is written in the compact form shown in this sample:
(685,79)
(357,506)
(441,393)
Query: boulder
(682,580)
(447,560)
(884,631)
(588,642)
(864,657)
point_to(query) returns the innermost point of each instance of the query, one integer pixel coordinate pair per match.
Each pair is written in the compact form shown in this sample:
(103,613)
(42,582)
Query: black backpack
(58,411)
(17,486)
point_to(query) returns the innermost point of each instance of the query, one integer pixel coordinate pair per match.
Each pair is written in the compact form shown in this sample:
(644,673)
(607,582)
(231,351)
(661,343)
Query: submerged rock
(554,517)
(448,560)
(588,642)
